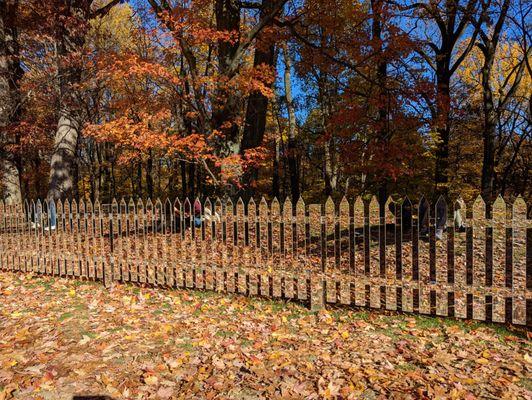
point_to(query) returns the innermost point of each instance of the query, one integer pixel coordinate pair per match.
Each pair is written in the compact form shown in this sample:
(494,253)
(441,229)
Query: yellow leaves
(345,335)
(72,293)
(151,380)
(482,361)
(16,314)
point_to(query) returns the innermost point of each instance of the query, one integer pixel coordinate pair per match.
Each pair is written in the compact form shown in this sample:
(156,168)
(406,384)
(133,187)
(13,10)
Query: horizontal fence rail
(446,258)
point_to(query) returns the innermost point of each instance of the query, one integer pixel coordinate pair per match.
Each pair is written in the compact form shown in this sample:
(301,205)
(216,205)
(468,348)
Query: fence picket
(498,257)
(479,258)
(520,225)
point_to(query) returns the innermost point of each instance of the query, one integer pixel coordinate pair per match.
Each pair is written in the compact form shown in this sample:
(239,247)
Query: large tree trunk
(226,107)
(66,138)
(488,134)
(70,38)
(64,156)
(10,102)
(443,129)
(257,105)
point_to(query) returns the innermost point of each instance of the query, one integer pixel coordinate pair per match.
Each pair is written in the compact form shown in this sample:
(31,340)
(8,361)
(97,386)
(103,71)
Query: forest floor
(65,339)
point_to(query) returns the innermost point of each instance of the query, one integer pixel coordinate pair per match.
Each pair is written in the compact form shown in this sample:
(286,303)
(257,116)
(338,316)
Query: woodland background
(287,98)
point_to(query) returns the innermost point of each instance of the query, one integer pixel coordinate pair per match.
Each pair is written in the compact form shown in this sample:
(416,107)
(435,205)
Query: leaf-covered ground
(61,338)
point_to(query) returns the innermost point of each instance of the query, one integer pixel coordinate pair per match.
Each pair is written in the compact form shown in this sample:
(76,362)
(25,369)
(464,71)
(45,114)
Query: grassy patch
(90,334)
(225,334)
(525,383)
(65,316)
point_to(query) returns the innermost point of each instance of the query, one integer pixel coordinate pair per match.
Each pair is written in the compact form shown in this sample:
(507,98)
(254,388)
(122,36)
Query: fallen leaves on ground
(60,338)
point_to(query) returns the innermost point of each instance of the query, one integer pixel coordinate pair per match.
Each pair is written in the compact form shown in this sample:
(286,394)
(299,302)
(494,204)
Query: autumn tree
(444,26)
(11,73)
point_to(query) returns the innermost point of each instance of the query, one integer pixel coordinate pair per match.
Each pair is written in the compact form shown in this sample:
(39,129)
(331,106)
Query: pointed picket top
(406,209)
(275,208)
(97,207)
(391,210)
(344,204)
(344,214)
(374,208)
(499,209)
(252,211)
(114,207)
(406,204)
(131,206)
(240,208)
(73,206)
(140,206)
(149,205)
(329,204)
(263,209)
(89,206)
(207,205)
(519,209)
(123,206)
(27,209)
(177,204)
(423,200)
(159,212)
(288,209)
(441,204)
(229,207)
(479,208)
(66,207)
(300,209)
(59,207)
(187,207)
(168,208)
(51,206)
(217,210)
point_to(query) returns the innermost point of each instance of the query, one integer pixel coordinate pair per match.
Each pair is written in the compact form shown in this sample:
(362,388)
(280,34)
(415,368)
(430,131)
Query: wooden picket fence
(352,252)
